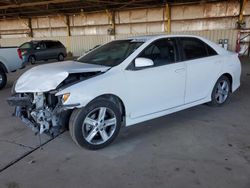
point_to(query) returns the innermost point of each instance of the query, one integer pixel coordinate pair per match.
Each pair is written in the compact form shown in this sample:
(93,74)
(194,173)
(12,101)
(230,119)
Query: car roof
(148,38)
(152,37)
(44,41)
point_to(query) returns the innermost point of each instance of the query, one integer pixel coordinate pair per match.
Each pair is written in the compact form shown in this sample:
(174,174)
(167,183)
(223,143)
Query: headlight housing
(65,97)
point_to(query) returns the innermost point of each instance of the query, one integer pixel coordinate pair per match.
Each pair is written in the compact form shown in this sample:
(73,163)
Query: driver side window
(161,52)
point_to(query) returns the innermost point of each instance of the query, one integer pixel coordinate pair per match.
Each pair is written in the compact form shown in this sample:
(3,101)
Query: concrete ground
(198,147)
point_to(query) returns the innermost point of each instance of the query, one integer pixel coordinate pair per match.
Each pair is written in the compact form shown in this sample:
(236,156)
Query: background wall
(212,20)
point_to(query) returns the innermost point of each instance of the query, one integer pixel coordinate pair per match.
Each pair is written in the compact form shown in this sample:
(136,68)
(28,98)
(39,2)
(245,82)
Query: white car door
(160,87)
(203,67)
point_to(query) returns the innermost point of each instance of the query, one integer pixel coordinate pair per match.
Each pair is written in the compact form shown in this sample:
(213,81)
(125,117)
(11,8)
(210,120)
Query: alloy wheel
(1,78)
(99,125)
(222,91)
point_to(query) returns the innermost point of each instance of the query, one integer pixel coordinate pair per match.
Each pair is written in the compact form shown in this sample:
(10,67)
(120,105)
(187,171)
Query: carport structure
(80,25)
(198,147)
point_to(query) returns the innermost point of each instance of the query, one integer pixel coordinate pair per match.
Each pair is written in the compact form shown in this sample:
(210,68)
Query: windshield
(112,53)
(26,45)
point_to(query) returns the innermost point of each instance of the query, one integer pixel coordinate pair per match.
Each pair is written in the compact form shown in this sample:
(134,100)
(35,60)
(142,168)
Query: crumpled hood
(47,77)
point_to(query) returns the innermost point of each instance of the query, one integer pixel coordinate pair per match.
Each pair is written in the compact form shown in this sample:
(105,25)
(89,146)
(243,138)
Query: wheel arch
(230,78)
(3,67)
(114,98)
(61,53)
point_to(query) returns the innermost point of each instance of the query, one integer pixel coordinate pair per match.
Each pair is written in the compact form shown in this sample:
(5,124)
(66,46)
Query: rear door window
(193,48)
(211,51)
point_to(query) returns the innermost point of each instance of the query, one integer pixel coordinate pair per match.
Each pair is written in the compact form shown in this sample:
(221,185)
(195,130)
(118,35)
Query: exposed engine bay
(44,112)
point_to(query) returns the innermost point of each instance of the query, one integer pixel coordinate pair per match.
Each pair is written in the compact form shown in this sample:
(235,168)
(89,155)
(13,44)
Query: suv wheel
(60,57)
(32,60)
(96,125)
(3,79)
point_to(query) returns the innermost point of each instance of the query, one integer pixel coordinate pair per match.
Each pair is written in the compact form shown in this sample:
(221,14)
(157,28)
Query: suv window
(51,44)
(41,46)
(54,44)
(26,45)
(194,48)
(59,44)
(161,52)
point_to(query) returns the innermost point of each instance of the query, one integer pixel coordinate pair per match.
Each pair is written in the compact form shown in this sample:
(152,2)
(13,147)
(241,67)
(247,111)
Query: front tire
(3,79)
(96,125)
(32,60)
(221,92)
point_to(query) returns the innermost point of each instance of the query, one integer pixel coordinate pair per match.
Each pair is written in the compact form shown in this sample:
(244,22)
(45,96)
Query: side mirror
(143,62)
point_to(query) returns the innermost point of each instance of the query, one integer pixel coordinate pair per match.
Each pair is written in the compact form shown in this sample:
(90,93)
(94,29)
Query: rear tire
(96,125)
(221,92)
(3,79)
(60,57)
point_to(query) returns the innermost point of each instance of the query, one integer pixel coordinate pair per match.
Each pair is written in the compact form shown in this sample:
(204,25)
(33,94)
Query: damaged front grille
(40,112)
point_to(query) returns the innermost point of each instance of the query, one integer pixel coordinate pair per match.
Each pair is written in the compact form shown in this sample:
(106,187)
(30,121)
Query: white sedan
(124,82)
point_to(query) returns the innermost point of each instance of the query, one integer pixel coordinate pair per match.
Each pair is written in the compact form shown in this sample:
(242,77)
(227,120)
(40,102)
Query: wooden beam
(37,3)
(68,25)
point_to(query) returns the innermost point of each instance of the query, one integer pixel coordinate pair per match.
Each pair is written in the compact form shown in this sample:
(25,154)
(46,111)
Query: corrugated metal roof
(28,8)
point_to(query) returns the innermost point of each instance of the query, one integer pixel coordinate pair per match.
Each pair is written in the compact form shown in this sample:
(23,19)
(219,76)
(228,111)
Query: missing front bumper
(18,113)
(19,101)
(43,120)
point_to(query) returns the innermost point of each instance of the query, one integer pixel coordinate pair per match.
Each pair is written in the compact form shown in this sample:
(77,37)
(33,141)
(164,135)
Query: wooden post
(111,16)
(168,18)
(68,25)
(30,28)
(241,16)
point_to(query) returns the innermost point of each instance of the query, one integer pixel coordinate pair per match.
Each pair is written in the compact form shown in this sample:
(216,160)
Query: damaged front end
(34,94)
(42,112)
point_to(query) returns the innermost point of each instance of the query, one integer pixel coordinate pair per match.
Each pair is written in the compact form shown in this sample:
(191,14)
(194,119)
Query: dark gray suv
(43,50)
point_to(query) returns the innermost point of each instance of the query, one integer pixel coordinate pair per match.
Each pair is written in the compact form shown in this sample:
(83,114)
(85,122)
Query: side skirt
(130,121)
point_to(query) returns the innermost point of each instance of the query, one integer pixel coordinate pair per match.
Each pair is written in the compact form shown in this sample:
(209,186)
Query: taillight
(19,53)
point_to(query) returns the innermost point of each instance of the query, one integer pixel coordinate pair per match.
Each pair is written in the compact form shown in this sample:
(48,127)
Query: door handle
(180,70)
